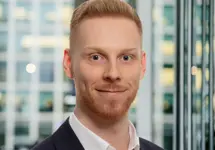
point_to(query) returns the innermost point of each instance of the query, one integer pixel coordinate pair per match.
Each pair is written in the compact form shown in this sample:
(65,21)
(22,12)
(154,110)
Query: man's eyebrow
(129,49)
(102,49)
(94,48)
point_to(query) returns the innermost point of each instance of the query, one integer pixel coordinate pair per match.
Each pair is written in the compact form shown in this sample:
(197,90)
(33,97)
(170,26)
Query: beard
(109,108)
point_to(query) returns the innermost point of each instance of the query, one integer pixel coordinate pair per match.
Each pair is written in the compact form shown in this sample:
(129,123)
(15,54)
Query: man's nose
(112,72)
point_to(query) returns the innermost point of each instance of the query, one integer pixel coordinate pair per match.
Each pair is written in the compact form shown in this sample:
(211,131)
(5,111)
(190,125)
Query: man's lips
(110,91)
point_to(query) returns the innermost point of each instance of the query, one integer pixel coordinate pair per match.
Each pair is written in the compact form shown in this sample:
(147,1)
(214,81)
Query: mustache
(111,88)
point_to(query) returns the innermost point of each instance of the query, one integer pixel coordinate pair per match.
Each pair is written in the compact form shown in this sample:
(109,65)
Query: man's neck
(114,132)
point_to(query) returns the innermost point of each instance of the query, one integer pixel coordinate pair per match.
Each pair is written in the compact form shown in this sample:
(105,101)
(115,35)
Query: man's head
(105,57)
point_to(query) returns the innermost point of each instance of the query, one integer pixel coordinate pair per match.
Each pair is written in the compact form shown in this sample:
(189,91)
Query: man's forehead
(102,48)
(112,34)
(113,22)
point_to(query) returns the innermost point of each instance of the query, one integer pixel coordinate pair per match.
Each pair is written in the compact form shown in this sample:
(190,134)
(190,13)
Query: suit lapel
(141,145)
(65,138)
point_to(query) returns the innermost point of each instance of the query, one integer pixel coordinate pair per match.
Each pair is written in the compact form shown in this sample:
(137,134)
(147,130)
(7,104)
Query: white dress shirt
(91,141)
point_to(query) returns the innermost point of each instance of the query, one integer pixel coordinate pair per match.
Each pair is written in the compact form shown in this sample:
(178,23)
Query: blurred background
(174,104)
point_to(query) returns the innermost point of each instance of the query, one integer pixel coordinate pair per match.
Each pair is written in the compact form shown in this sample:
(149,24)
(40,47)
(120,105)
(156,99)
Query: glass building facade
(36,96)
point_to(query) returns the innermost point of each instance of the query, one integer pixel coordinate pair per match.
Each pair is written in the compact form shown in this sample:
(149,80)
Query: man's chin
(108,109)
(113,115)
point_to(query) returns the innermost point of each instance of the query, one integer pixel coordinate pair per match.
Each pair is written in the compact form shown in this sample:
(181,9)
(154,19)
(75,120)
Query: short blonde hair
(99,8)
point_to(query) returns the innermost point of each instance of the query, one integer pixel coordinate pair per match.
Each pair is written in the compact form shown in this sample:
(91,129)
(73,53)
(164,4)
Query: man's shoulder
(46,144)
(149,145)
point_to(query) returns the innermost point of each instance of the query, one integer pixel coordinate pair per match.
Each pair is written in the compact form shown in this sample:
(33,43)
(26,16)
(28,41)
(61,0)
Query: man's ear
(143,64)
(67,64)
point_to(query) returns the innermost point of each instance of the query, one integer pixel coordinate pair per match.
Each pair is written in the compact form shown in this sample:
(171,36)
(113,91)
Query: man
(106,62)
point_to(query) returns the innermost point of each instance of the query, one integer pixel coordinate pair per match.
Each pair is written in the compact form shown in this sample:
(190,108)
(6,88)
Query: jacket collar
(65,139)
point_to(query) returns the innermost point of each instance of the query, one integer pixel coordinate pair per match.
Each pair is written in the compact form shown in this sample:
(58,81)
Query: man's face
(107,64)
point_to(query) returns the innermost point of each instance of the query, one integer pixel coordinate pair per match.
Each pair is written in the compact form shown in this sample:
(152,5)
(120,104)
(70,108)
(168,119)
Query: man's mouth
(110,91)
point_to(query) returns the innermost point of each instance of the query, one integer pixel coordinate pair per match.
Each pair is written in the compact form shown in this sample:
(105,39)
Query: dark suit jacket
(65,139)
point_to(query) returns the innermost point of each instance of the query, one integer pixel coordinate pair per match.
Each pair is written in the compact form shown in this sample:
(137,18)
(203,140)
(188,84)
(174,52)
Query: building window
(22,42)
(168,103)
(167,77)
(22,98)
(3,41)
(3,12)
(47,51)
(2,100)
(45,130)
(23,11)
(46,72)
(21,130)
(69,102)
(21,72)
(48,12)
(46,101)
(168,45)
(3,71)
(169,16)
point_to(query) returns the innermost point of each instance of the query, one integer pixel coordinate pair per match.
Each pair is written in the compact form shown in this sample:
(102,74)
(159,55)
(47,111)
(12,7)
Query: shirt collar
(90,140)
(134,143)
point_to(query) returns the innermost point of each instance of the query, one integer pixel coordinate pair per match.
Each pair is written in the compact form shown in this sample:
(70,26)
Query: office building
(35,94)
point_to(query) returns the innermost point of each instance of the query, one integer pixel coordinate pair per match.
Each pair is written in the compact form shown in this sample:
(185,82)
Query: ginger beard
(107,107)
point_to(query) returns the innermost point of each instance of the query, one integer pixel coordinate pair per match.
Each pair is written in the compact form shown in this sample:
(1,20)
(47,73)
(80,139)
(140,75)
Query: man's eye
(126,57)
(95,57)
